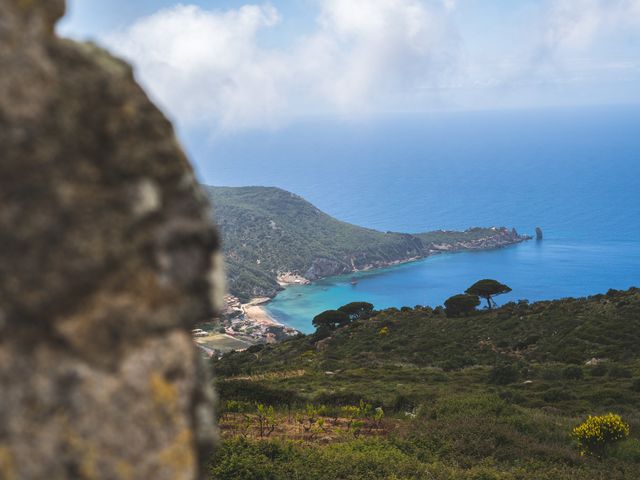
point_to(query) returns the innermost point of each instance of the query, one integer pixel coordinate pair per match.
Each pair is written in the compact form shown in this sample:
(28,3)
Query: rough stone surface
(107,258)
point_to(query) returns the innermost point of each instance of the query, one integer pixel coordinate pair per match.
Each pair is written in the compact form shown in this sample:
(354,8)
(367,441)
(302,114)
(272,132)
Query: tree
(461,304)
(331,319)
(357,310)
(488,289)
(266,418)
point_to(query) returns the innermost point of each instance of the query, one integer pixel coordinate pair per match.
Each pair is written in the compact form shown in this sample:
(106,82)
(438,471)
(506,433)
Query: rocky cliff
(417,247)
(108,258)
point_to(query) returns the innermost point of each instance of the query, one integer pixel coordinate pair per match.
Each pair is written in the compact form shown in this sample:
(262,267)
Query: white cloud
(570,51)
(574,25)
(450,4)
(378,48)
(198,63)
(208,65)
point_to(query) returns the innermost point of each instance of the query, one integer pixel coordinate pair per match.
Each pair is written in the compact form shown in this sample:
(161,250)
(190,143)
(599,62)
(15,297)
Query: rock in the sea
(538,233)
(107,260)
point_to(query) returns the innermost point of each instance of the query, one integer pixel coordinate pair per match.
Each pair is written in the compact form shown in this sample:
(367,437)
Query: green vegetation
(330,319)
(462,304)
(496,395)
(357,310)
(597,434)
(466,303)
(488,289)
(268,231)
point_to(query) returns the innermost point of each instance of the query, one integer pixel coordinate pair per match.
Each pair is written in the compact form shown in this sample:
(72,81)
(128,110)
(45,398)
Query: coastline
(249,323)
(255,312)
(299,280)
(253,322)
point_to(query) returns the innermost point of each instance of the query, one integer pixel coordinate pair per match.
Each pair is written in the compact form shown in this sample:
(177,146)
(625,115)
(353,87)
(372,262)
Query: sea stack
(538,233)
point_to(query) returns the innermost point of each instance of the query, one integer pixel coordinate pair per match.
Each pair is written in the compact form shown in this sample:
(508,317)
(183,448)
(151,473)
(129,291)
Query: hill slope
(570,331)
(490,396)
(268,232)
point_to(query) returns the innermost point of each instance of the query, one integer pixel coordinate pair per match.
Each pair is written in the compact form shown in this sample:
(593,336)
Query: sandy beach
(255,312)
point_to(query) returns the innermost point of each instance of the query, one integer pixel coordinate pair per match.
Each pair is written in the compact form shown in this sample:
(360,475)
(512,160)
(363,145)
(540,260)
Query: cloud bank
(208,65)
(211,66)
(574,25)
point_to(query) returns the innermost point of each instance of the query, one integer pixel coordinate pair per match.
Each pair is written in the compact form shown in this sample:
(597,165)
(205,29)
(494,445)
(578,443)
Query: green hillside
(267,231)
(493,395)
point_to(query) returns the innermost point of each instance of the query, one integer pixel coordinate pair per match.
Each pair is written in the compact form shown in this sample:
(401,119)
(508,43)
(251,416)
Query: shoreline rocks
(324,267)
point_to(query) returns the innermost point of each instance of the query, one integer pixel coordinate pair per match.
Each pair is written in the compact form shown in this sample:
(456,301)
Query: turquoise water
(576,173)
(535,271)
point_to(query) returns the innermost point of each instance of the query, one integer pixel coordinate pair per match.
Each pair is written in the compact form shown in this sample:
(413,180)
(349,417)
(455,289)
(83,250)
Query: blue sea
(573,172)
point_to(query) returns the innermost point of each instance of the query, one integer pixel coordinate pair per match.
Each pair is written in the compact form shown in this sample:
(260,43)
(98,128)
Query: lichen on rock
(108,259)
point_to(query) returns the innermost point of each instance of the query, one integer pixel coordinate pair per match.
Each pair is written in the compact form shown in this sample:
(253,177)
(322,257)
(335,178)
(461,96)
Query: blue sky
(233,65)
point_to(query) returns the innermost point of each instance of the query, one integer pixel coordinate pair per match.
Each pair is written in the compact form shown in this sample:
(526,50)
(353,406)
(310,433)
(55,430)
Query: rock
(321,345)
(538,233)
(107,261)
(595,361)
(325,267)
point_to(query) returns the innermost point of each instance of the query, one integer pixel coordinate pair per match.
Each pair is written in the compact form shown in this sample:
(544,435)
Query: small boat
(354,281)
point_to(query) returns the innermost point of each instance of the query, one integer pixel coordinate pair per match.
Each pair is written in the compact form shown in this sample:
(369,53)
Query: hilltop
(270,234)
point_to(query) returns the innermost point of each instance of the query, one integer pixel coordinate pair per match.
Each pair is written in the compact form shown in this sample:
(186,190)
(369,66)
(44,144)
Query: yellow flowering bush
(597,433)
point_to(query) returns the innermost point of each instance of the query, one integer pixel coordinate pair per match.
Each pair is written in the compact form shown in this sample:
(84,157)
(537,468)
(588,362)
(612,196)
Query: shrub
(322,332)
(527,342)
(599,370)
(457,362)
(628,451)
(253,392)
(266,418)
(503,374)
(235,406)
(462,304)
(551,373)
(598,433)
(403,403)
(338,398)
(557,395)
(617,371)
(572,372)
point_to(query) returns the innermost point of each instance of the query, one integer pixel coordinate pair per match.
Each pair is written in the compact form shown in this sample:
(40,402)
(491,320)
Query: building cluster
(235,323)
(245,328)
